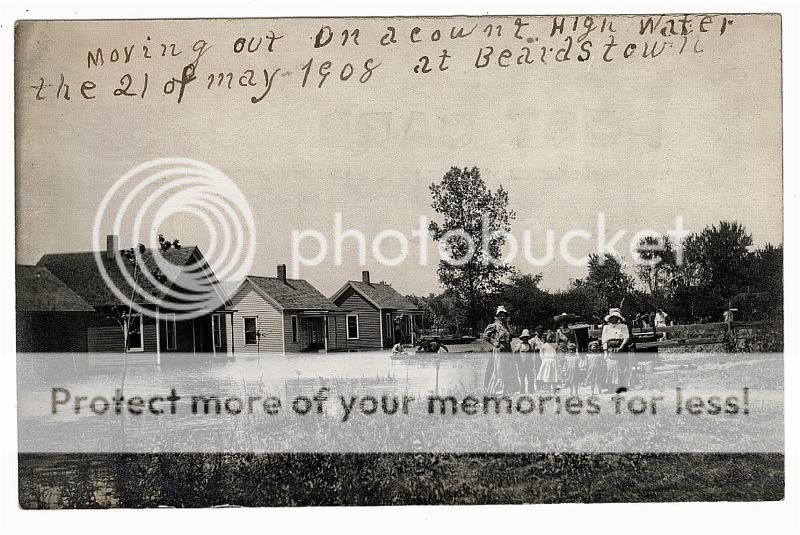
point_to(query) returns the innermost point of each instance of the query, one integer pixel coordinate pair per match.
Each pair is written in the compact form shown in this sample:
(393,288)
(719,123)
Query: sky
(643,141)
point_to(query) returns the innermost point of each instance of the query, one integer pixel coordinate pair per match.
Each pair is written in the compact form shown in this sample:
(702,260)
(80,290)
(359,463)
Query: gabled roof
(294,294)
(38,290)
(381,295)
(79,271)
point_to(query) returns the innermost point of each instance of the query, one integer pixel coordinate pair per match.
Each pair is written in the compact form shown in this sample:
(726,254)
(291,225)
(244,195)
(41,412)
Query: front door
(313,334)
(388,330)
(208,333)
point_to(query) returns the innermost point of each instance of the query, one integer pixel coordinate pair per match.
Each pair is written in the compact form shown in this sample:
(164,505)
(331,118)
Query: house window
(216,329)
(250,331)
(352,326)
(171,331)
(294,329)
(388,325)
(135,326)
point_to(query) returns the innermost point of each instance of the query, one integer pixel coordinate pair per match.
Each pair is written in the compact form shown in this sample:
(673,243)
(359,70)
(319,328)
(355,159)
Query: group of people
(547,359)
(433,345)
(652,319)
(425,345)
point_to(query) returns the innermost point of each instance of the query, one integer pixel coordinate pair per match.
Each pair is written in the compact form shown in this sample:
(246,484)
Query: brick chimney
(365,276)
(282,272)
(112,246)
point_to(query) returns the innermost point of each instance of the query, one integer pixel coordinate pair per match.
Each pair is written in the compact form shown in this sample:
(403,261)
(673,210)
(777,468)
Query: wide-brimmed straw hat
(615,313)
(525,335)
(501,310)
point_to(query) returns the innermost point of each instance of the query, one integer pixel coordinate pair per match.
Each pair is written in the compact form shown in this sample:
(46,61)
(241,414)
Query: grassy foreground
(265,480)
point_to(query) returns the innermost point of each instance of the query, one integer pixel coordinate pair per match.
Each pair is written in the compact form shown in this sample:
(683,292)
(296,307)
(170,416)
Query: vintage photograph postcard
(518,259)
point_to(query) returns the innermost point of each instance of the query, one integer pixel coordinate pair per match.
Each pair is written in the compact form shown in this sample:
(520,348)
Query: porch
(311,331)
(400,326)
(154,339)
(209,336)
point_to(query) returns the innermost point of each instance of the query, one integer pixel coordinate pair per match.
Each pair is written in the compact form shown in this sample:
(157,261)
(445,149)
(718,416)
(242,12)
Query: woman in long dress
(549,373)
(615,338)
(537,342)
(502,374)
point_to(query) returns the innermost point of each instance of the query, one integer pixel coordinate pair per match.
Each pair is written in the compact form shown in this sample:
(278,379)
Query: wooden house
(379,316)
(278,314)
(150,336)
(50,316)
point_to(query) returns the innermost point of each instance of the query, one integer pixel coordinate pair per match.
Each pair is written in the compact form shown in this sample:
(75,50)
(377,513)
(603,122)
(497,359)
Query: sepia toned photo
(461,260)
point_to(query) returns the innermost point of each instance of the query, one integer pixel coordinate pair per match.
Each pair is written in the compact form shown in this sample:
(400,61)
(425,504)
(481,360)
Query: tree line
(709,272)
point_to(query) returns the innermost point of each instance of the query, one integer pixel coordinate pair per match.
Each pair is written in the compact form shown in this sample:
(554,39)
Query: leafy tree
(529,304)
(715,266)
(580,299)
(470,233)
(438,312)
(724,256)
(608,279)
(124,315)
(767,271)
(166,245)
(764,295)
(656,267)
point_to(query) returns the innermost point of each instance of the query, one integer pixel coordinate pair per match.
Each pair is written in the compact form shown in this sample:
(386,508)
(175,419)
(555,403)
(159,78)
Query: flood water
(345,375)
(276,374)
(283,376)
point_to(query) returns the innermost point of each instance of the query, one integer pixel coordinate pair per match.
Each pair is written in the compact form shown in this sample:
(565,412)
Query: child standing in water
(571,371)
(596,367)
(525,362)
(549,374)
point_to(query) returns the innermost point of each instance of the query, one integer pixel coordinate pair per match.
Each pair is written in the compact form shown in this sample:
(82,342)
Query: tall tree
(714,266)
(767,273)
(725,257)
(529,302)
(474,218)
(656,266)
(608,278)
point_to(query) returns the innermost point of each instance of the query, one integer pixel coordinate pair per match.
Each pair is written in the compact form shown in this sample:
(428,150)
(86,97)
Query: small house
(50,316)
(103,328)
(379,316)
(278,314)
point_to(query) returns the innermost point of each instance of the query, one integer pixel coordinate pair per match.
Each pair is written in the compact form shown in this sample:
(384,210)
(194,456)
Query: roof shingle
(294,294)
(383,295)
(79,271)
(38,290)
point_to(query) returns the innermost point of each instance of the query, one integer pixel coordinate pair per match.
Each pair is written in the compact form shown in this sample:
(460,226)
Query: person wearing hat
(615,335)
(502,375)
(527,374)
(615,339)
(564,333)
